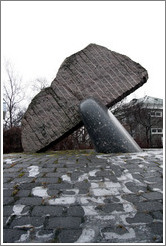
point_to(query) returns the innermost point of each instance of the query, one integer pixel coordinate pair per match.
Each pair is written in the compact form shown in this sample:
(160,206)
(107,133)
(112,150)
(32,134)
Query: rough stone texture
(92,72)
(106,132)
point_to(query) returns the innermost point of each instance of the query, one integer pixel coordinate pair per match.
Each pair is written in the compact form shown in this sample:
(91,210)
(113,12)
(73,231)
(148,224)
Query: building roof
(149,102)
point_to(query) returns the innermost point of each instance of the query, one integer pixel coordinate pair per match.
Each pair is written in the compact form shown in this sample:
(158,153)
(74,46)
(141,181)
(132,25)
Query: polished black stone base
(106,132)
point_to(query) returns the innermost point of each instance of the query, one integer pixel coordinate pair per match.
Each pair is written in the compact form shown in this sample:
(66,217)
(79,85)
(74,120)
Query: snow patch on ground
(93,173)
(66,178)
(62,201)
(128,177)
(40,191)
(89,210)
(158,190)
(83,177)
(18,208)
(106,192)
(8,161)
(113,235)
(86,200)
(17,211)
(73,190)
(24,227)
(44,236)
(87,236)
(33,171)
(24,237)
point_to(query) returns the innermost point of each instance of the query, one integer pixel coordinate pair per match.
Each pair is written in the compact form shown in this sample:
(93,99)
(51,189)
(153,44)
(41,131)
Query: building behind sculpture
(143,119)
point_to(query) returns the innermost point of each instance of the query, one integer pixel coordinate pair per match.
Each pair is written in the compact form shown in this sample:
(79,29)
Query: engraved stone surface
(106,132)
(92,72)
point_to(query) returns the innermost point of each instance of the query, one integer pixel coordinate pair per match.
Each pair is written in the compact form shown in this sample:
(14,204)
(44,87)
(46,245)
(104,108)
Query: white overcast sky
(36,36)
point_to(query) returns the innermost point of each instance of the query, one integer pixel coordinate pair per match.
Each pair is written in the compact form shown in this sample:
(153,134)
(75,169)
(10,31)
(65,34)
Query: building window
(156,114)
(156,131)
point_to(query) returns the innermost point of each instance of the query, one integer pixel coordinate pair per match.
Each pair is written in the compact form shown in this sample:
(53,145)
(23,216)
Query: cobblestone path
(83,197)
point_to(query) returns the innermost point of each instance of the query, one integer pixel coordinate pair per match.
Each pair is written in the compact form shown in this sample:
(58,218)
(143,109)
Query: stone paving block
(7,210)
(75,211)
(10,175)
(26,220)
(29,201)
(7,192)
(61,169)
(7,180)
(134,198)
(23,193)
(8,200)
(149,206)
(156,186)
(29,186)
(118,229)
(7,186)
(12,170)
(47,210)
(154,179)
(11,235)
(60,186)
(48,170)
(157,215)
(22,180)
(53,193)
(153,195)
(53,175)
(47,180)
(157,228)
(140,218)
(135,188)
(82,185)
(68,192)
(110,207)
(83,191)
(152,174)
(112,199)
(69,236)
(64,222)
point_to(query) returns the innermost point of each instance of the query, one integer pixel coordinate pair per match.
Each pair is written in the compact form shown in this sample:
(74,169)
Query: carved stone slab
(92,72)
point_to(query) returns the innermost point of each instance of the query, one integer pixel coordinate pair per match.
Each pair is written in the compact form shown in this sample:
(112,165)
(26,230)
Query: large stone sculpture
(92,72)
(106,132)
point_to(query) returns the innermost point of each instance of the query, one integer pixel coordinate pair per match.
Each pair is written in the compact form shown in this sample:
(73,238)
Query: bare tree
(40,84)
(13,95)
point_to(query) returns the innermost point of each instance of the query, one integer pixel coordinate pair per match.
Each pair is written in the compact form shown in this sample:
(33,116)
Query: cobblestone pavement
(83,197)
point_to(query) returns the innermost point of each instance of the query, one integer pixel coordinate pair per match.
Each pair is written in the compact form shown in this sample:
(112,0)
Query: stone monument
(94,72)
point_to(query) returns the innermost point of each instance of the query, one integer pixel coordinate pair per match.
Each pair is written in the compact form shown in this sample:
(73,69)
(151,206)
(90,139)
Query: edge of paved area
(83,197)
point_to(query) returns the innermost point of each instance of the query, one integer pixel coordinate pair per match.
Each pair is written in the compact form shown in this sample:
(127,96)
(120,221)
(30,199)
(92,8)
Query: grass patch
(21,168)
(12,165)
(21,174)
(15,190)
(59,180)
